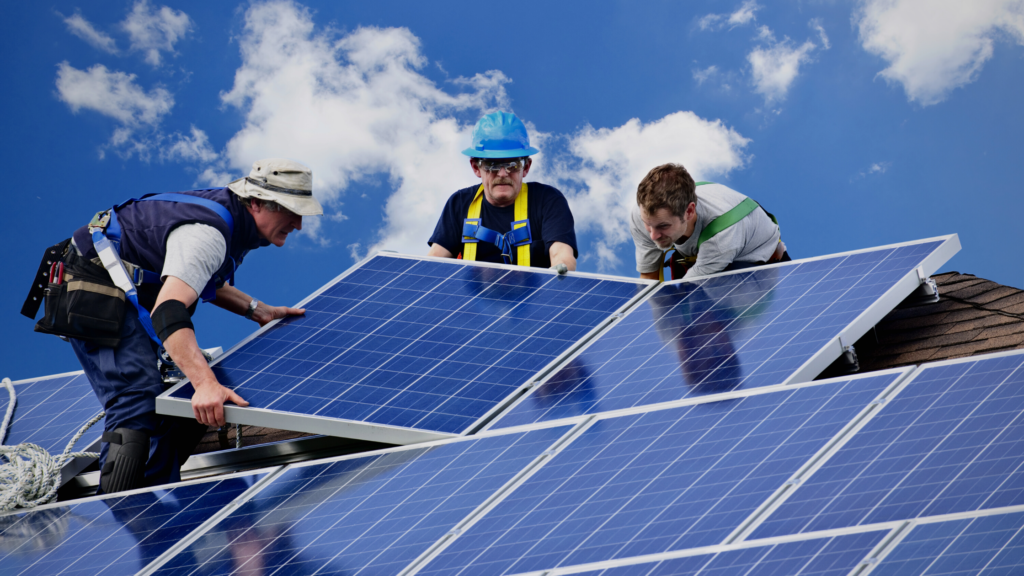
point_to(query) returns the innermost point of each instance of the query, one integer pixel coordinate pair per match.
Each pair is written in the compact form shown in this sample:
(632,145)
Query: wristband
(252,308)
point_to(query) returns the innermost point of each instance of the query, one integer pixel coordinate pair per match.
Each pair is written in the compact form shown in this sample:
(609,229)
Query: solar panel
(658,481)
(951,441)
(50,411)
(114,534)
(982,545)
(769,325)
(412,349)
(836,555)
(371,514)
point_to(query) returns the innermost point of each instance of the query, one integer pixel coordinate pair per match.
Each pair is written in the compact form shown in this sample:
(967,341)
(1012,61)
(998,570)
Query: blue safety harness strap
(105,246)
(473,232)
(111,237)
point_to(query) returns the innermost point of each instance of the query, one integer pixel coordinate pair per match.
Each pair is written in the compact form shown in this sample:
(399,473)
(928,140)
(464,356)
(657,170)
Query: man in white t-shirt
(168,251)
(711,227)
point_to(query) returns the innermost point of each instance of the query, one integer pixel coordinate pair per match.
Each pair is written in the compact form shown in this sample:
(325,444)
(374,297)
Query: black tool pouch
(83,304)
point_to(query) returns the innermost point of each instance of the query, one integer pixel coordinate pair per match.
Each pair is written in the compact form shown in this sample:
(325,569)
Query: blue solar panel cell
(836,556)
(368,515)
(418,343)
(722,333)
(115,535)
(659,481)
(987,545)
(51,410)
(951,441)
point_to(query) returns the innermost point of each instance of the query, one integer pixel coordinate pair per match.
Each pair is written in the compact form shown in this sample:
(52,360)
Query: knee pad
(125,467)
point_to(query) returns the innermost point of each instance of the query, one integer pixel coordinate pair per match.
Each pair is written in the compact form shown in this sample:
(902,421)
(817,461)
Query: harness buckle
(519,235)
(469,229)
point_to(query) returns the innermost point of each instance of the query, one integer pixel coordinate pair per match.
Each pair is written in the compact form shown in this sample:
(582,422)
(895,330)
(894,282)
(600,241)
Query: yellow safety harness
(519,237)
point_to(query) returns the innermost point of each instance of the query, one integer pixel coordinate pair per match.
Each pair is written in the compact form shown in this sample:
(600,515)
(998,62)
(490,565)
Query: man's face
(275,226)
(665,228)
(501,187)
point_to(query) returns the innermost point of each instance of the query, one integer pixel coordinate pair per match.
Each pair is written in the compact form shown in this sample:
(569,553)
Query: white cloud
(116,95)
(879,167)
(776,65)
(702,76)
(607,164)
(79,26)
(352,107)
(357,105)
(815,25)
(875,168)
(745,14)
(935,46)
(112,93)
(153,31)
(192,148)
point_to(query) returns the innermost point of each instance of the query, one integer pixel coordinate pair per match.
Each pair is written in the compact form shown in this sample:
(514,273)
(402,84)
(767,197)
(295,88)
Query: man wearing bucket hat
(162,253)
(503,219)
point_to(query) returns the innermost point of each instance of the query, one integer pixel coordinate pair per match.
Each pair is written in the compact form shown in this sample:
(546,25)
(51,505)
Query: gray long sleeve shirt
(752,239)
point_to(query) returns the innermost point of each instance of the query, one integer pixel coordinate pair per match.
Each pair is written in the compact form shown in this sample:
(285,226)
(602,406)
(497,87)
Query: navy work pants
(127,381)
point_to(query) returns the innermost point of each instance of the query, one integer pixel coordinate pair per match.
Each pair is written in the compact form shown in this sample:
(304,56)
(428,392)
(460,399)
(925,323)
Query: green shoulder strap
(738,212)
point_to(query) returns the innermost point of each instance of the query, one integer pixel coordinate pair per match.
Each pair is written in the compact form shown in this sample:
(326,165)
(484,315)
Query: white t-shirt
(752,239)
(194,253)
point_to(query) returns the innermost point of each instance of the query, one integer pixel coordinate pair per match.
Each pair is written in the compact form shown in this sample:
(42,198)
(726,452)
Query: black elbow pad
(169,317)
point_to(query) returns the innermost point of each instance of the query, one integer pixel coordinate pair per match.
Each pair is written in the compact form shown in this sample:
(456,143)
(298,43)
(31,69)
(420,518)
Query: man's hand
(234,300)
(264,313)
(561,268)
(208,402)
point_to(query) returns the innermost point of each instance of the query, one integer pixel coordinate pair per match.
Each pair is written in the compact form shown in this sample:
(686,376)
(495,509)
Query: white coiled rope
(31,476)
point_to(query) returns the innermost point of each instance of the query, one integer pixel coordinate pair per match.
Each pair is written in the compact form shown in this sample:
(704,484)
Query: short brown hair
(666,186)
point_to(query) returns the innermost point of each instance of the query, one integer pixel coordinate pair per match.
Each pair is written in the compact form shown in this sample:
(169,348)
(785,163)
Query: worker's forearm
(561,253)
(184,351)
(232,299)
(650,275)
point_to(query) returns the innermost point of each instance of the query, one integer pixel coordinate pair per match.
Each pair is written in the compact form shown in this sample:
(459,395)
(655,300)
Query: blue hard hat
(500,135)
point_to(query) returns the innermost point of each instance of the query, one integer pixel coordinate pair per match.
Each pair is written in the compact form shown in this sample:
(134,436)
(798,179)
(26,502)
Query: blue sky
(857,123)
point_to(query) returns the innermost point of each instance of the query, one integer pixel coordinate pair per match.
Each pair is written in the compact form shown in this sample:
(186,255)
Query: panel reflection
(115,535)
(374,514)
(720,334)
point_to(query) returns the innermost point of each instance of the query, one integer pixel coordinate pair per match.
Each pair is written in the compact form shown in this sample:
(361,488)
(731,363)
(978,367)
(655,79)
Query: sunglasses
(510,166)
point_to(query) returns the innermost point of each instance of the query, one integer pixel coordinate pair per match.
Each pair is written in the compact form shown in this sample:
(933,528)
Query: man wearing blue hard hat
(504,219)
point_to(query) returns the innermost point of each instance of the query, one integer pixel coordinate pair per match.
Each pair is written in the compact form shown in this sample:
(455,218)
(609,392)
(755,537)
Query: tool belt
(79,299)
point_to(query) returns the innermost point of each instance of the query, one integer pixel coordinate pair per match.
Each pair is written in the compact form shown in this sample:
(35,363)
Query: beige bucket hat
(288,183)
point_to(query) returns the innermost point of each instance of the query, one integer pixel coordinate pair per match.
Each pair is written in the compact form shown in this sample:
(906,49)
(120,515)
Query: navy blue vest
(146,225)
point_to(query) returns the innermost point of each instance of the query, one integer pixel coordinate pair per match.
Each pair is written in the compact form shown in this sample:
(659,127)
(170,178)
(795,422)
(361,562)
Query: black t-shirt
(548,213)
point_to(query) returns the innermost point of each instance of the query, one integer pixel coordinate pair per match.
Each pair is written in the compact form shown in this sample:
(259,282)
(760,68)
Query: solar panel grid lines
(958,544)
(112,534)
(183,541)
(574,432)
(366,513)
(899,378)
(888,537)
(50,410)
(949,441)
(899,373)
(406,344)
(757,327)
(833,555)
(658,481)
